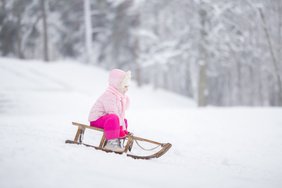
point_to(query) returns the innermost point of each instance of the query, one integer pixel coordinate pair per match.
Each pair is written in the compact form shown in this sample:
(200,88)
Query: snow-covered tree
(218,52)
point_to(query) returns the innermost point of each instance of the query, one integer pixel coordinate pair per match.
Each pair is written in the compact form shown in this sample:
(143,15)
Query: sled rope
(151,149)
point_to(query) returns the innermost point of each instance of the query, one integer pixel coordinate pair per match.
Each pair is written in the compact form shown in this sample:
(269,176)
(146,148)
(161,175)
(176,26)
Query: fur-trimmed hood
(119,78)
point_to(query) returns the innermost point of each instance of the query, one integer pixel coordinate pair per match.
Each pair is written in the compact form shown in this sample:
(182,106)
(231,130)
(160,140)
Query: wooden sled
(130,140)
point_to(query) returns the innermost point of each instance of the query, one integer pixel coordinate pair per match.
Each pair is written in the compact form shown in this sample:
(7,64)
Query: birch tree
(45,31)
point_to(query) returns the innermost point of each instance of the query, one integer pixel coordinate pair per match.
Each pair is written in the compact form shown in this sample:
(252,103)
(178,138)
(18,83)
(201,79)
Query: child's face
(124,89)
(125,83)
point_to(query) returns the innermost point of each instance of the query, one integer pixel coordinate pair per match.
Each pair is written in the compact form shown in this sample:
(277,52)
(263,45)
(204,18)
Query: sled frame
(78,139)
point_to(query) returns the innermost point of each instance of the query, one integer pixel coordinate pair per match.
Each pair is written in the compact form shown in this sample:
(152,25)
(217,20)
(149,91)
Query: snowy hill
(212,147)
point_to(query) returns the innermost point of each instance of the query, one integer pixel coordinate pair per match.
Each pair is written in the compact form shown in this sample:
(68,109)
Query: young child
(108,112)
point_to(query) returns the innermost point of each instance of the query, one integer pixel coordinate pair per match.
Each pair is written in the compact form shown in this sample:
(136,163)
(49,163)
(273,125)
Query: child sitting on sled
(108,112)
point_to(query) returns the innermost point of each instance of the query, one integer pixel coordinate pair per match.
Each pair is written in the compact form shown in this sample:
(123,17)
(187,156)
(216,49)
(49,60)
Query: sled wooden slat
(87,126)
(103,141)
(164,149)
(77,135)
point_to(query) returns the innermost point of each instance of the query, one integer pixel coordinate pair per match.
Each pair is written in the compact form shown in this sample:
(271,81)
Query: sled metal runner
(130,139)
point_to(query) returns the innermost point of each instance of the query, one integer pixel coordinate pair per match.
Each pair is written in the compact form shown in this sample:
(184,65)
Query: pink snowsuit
(108,112)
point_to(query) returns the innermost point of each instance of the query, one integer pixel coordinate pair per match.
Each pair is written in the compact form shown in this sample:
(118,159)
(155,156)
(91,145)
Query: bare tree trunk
(45,31)
(136,24)
(19,38)
(3,3)
(137,65)
(138,75)
(202,101)
(88,30)
(274,61)
(202,82)
(280,30)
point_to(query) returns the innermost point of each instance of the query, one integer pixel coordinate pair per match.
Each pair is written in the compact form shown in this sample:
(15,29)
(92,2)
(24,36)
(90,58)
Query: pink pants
(111,125)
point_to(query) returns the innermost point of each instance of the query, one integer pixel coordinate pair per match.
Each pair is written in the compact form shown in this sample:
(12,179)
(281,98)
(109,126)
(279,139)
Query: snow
(212,147)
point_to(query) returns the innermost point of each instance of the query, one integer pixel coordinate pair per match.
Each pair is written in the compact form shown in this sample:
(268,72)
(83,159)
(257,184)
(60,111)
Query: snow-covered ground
(212,147)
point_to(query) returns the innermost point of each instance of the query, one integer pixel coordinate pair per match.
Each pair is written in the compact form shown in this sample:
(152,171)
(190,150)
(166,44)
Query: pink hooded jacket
(112,100)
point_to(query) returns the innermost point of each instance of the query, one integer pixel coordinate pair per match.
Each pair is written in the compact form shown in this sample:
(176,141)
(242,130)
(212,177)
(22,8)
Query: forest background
(217,52)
